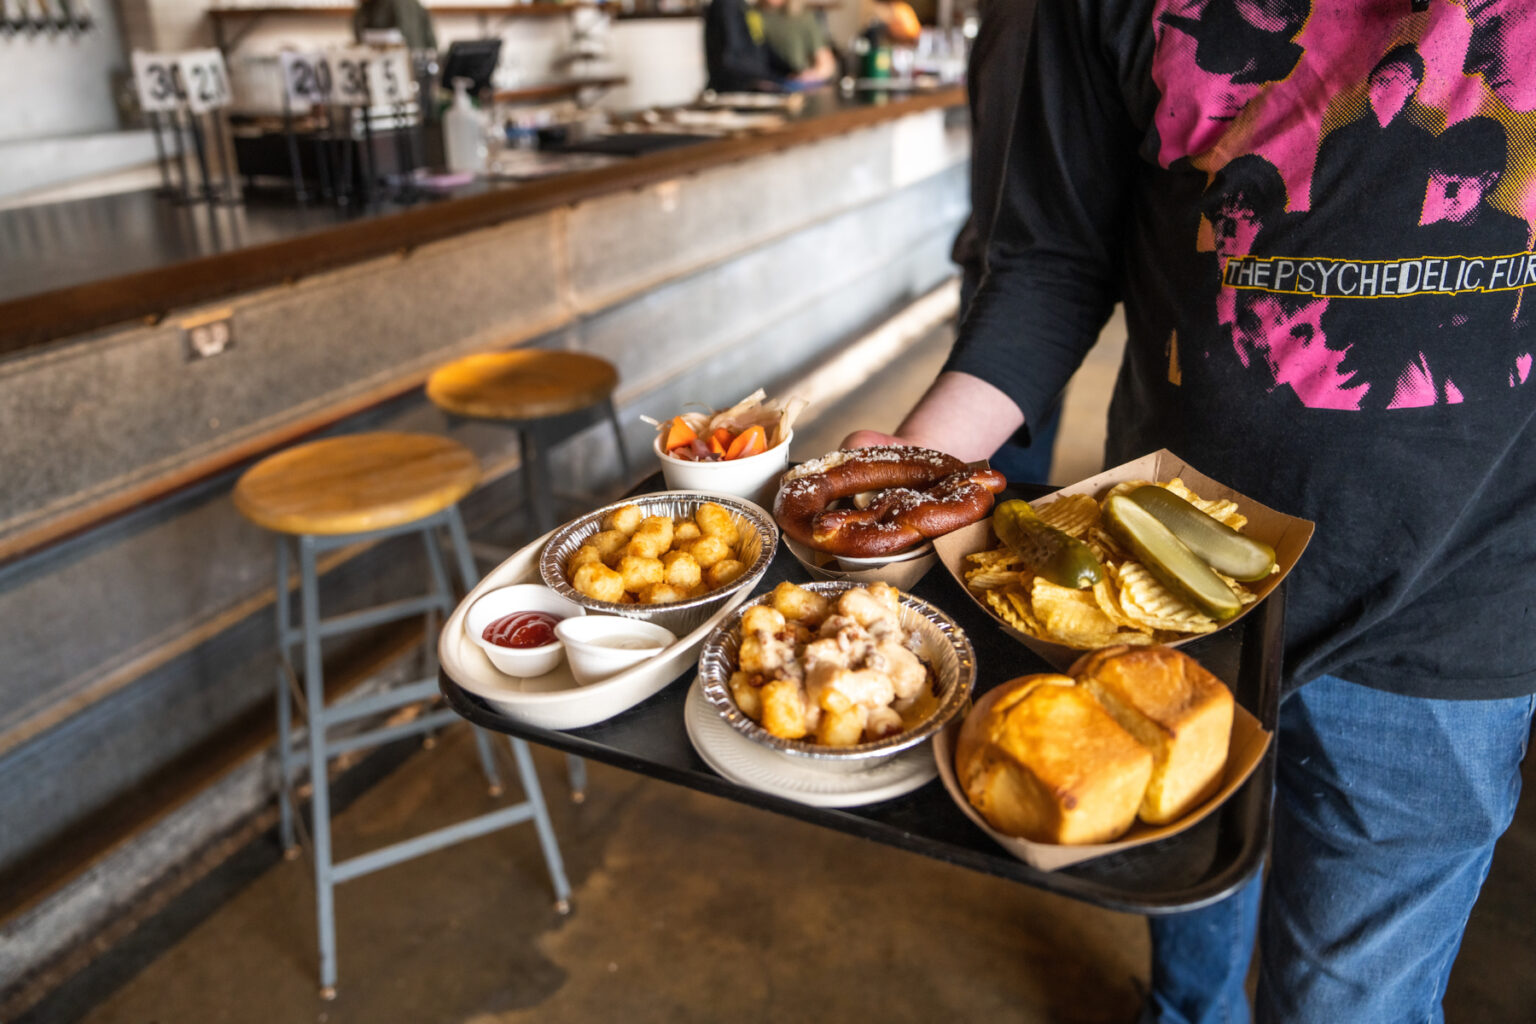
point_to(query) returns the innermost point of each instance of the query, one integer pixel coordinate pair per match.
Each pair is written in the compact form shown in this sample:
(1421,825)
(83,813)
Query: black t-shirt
(1332,352)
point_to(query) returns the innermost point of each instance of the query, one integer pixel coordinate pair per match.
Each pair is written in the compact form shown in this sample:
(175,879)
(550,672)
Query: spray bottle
(463,132)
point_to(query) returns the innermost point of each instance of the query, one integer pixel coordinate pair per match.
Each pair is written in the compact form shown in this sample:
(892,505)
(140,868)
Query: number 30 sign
(168,81)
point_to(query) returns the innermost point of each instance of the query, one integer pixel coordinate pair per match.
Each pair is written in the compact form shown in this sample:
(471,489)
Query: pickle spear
(1168,558)
(1057,556)
(1223,548)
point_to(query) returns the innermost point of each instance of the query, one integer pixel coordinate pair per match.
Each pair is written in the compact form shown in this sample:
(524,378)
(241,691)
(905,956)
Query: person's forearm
(960,414)
(823,68)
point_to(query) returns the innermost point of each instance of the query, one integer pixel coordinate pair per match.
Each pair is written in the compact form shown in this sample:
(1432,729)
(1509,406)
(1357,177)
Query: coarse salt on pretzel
(922,494)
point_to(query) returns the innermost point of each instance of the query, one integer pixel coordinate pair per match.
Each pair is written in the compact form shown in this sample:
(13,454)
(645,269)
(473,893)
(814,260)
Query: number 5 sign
(389,76)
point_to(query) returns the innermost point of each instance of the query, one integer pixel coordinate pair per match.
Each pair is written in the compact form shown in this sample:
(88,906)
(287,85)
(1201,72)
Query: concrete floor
(687,907)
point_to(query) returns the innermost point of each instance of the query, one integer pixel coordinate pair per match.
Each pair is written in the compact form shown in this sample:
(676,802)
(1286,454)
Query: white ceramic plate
(739,759)
(555,700)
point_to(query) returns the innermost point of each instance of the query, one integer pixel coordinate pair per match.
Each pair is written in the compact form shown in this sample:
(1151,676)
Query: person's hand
(869,439)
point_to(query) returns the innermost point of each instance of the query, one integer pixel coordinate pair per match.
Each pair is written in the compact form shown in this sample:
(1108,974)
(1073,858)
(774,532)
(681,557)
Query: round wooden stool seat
(525,384)
(356,483)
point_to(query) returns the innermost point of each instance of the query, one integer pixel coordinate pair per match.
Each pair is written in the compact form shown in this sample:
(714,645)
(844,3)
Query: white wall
(60,84)
(664,59)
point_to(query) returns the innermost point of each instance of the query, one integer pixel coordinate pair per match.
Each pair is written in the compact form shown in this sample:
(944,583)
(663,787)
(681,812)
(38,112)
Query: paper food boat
(1244,752)
(1288,535)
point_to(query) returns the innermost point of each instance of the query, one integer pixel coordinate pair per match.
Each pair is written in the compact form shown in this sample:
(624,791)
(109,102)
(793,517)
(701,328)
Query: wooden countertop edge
(149,295)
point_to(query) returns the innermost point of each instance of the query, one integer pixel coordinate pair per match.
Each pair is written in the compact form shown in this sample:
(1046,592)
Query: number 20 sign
(306,78)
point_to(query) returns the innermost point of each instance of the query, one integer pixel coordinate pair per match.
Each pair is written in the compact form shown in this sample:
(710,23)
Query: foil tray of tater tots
(672,558)
(815,611)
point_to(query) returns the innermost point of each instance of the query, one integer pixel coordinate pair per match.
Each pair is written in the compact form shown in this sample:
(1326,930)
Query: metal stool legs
(576,768)
(536,437)
(441,585)
(576,772)
(322,747)
(618,437)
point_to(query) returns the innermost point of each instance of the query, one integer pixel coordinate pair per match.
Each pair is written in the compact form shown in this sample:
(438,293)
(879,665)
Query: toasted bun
(1040,758)
(1180,711)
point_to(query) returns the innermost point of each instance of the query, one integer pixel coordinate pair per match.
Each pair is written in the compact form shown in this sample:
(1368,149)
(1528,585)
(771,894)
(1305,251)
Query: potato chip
(1223,509)
(1123,487)
(1019,602)
(1073,616)
(1106,546)
(995,579)
(1000,557)
(1107,593)
(1143,599)
(1016,615)
(1244,595)
(1072,514)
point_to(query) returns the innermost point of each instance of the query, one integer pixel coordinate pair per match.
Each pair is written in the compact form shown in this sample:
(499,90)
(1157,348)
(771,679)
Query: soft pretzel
(922,493)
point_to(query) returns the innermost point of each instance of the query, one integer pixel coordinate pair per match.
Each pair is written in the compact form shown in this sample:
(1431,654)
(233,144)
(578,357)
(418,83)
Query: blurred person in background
(408,16)
(736,49)
(798,42)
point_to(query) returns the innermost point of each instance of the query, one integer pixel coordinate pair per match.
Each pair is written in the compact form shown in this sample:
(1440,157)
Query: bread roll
(1040,758)
(1183,714)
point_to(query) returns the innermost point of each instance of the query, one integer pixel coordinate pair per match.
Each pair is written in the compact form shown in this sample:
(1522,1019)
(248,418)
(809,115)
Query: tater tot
(652,539)
(626,520)
(722,572)
(709,549)
(799,604)
(661,593)
(599,582)
(760,618)
(715,520)
(842,728)
(639,573)
(584,554)
(686,532)
(681,570)
(610,544)
(747,696)
(784,708)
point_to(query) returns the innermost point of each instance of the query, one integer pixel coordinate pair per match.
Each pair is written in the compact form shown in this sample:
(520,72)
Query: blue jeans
(1386,812)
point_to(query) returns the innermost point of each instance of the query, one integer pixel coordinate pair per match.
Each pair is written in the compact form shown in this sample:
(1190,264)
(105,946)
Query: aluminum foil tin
(945,648)
(759,541)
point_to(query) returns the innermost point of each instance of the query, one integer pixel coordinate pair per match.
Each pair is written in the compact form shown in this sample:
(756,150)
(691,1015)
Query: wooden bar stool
(325,495)
(546,396)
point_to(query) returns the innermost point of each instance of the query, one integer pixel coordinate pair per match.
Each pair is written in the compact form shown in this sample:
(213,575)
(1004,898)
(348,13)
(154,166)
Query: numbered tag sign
(205,80)
(349,76)
(389,75)
(306,78)
(157,76)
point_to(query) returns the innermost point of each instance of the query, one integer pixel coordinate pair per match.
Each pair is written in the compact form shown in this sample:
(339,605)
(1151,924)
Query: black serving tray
(1191,869)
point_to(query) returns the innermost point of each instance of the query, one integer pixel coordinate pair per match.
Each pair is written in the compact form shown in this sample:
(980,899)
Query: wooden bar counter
(63,277)
(138,602)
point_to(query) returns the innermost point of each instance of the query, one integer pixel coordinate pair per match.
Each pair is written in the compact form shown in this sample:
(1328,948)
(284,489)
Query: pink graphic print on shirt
(1371,180)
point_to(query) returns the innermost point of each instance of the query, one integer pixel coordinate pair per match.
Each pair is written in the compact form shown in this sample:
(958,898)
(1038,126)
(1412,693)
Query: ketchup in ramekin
(521,630)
